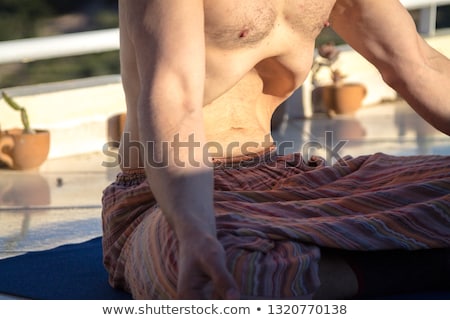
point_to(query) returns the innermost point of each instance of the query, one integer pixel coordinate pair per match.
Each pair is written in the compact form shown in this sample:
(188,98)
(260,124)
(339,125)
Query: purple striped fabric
(274,215)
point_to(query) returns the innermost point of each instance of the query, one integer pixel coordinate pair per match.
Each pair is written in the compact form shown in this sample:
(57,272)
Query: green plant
(22,110)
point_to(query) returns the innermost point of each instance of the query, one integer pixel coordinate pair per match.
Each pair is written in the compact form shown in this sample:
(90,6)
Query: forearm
(176,167)
(186,201)
(425,86)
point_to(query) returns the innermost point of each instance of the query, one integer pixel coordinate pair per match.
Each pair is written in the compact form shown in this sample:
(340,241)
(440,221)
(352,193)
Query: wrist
(194,231)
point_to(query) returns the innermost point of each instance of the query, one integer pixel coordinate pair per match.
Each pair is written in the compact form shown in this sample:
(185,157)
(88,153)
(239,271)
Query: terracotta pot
(24,151)
(116,126)
(343,99)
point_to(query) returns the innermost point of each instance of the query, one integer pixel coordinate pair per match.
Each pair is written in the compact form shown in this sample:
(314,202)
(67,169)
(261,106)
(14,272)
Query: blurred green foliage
(61,69)
(25,18)
(18,18)
(34,18)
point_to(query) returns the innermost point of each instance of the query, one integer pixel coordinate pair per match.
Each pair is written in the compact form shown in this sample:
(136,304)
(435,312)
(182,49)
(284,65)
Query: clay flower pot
(343,99)
(116,126)
(24,151)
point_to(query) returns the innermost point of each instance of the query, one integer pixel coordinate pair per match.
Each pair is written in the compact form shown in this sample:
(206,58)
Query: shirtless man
(215,70)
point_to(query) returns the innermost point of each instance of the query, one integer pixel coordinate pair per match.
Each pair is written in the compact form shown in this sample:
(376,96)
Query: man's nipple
(243,33)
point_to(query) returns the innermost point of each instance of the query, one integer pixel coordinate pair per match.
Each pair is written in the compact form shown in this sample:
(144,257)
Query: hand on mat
(203,273)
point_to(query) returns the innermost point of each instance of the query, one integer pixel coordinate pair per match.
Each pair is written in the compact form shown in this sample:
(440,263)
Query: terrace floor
(60,203)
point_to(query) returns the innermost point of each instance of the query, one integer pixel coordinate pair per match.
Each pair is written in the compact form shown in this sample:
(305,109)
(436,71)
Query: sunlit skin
(217,70)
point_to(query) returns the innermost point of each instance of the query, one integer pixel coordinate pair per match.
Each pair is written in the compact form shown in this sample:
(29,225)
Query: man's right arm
(170,53)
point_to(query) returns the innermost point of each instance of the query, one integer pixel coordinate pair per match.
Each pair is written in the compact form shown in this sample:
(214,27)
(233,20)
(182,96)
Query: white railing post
(427,22)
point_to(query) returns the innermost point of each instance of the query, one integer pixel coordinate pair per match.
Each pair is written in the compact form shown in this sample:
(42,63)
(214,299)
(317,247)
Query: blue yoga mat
(76,272)
(69,272)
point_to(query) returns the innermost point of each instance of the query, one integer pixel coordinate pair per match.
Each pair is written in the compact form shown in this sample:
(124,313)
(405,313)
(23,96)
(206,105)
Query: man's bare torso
(257,54)
(264,46)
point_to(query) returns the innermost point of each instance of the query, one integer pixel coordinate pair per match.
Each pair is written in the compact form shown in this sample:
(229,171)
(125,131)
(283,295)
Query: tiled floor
(61,203)
(391,128)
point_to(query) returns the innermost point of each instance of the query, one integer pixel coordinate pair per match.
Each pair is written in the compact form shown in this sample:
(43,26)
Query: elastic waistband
(249,160)
(128,177)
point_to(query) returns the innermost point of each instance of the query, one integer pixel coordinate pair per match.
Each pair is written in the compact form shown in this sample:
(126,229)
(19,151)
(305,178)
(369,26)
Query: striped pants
(275,213)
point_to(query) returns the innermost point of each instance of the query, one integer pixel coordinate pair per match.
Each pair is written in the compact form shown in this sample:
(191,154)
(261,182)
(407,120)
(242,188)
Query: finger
(224,284)
(193,284)
(226,288)
(201,293)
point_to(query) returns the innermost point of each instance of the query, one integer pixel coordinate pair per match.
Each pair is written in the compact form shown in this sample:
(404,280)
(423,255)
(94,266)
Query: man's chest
(231,24)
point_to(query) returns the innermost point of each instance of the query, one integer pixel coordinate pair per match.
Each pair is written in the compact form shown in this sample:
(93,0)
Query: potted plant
(26,148)
(338,97)
(116,126)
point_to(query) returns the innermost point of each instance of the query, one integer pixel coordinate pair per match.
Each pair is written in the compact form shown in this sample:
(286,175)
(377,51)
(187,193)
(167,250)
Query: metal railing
(418,4)
(72,44)
(428,13)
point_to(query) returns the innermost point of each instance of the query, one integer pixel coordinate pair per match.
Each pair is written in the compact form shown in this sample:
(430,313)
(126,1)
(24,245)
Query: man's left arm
(385,34)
